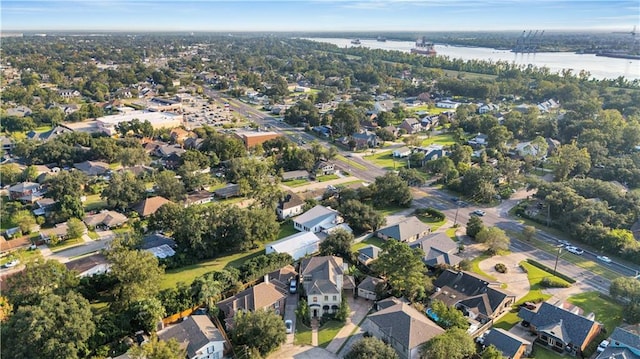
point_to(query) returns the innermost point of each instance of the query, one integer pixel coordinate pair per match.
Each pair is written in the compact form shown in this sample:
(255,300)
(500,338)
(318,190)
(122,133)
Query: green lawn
(23,255)
(451,232)
(93,235)
(328,331)
(296,183)
(326,178)
(535,276)
(607,311)
(351,163)
(445,139)
(386,161)
(373,240)
(389,210)
(303,334)
(431,109)
(94,202)
(475,266)
(542,353)
(189,273)
(286,229)
(433,224)
(65,244)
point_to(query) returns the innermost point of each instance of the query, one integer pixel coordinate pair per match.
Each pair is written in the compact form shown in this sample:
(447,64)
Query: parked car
(11,264)
(528,305)
(288,324)
(293,287)
(574,250)
(604,259)
(479,212)
(602,346)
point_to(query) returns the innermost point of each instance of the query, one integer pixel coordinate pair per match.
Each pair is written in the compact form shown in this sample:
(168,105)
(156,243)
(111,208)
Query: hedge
(550,270)
(430,212)
(553,283)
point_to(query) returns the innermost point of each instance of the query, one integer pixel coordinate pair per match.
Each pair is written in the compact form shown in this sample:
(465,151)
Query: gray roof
(438,248)
(229,190)
(294,174)
(561,323)
(617,353)
(290,200)
(625,337)
(195,332)
(508,343)
(369,283)
(92,168)
(315,215)
(324,272)
(406,324)
(405,229)
(369,252)
(24,186)
(156,240)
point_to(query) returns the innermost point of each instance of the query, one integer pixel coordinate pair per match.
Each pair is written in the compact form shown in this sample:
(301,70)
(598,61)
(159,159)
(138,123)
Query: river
(599,67)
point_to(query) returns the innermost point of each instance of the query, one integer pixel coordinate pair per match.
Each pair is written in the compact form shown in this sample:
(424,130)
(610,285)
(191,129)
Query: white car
(479,212)
(575,250)
(11,264)
(288,324)
(604,259)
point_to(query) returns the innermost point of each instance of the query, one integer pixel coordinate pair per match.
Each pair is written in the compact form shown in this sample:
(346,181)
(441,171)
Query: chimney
(266,278)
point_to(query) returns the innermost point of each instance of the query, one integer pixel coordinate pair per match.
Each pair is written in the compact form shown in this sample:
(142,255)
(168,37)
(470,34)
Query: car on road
(604,259)
(479,212)
(288,324)
(12,264)
(455,199)
(565,243)
(574,250)
(293,287)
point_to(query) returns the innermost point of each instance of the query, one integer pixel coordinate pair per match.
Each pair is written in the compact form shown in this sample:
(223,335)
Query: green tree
(346,119)
(570,160)
(360,216)
(411,175)
(263,330)
(474,226)
(371,348)
(449,317)
(337,243)
(390,189)
(168,186)
(455,343)
(24,219)
(145,314)
(75,228)
(529,232)
(494,238)
(9,174)
(38,279)
(132,156)
(66,183)
(206,289)
(30,173)
(124,190)
(137,274)
(404,269)
(58,327)
(491,352)
(157,349)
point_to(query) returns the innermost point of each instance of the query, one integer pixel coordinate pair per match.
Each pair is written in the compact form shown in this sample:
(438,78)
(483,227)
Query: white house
(447,104)
(290,206)
(317,219)
(322,278)
(402,152)
(297,245)
(198,334)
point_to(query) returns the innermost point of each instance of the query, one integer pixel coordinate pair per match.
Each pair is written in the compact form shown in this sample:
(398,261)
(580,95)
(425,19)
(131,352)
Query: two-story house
(411,125)
(323,280)
(290,206)
(198,335)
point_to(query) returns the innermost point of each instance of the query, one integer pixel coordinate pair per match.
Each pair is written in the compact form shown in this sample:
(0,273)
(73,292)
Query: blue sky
(320,15)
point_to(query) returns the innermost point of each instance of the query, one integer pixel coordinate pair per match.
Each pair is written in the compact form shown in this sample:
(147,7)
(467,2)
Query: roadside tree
(262,330)
(494,238)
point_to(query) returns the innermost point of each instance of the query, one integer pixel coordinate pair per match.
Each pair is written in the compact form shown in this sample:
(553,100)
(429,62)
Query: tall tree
(38,279)
(449,317)
(453,344)
(570,160)
(390,189)
(124,190)
(337,243)
(371,348)
(137,272)
(75,228)
(157,349)
(362,217)
(168,186)
(24,219)
(66,183)
(58,327)
(494,238)
(132,156)
(263,330)
(404,269)
(474,226)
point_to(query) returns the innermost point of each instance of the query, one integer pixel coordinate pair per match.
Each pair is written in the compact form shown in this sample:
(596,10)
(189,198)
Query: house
(382,106)
(16,240)
(19,111)
(44,205)
(561,329)
(90,265)
(294,175)
(105,219)
(179,135)
(7,144)
(488,108)
(624,343)
(432,152)
(479,141)
(149,206)
(402,152)
(230,190)
(324,168)
(322,130)
(479,299)
(402,326)
(263,296)
(68,93)
(198,335)
(297,245)
(92,168)
(447,104)
(548,105)
(429,122)
(317,219)
(323,280)
(48,135)
(282,277)
(140,171)
(291,205)
(367,254)
(252,139)
(198,197)
(511,345)
(159,245)
(438,250)
(23,189)
(366,139)
(411,125)
(59,231)
(367,288)
(409,230)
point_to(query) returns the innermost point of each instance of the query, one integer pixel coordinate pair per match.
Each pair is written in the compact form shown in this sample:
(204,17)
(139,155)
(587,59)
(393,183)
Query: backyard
(445,139)
(373,240)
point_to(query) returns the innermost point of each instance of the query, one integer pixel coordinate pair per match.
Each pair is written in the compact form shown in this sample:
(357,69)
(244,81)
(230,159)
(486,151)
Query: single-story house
(561,329)
(230,190)
(317,219)
(60,231)
(367,254)
(409,230)
(149,206)
(367,288)
(198,197)
(411,125)
(297,245)
(447,104)
(291,205)
(159,245)
(325,168)
(198,335)
(438,250)
(402,152)
(511,345)
(294,175)
(92,168)
(90,265)
(624,343)
(105,219)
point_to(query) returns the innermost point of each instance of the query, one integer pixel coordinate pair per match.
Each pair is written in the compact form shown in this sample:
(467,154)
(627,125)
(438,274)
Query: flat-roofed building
(251,138)
(158,120)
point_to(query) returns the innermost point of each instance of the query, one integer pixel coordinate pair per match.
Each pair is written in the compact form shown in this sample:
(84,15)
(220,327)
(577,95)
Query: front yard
(386,161)
(445,139)
(328,331)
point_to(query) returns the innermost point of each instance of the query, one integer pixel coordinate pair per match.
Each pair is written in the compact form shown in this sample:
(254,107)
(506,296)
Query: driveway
(515,278)
(289,351)
(290,314)
(359,308)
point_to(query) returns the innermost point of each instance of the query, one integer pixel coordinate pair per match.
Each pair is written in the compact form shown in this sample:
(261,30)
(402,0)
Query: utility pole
(556,265)
(455,219)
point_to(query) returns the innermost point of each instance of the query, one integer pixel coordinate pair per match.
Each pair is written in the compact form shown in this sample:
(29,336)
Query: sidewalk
(359,310)
(314,332)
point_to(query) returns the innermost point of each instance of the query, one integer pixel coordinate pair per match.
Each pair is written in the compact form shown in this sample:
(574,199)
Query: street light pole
(556,265)
(455,219)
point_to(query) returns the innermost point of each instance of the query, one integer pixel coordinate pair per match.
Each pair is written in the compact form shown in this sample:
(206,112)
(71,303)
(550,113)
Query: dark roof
(290,200)
(156,240)
(470,290)
(617,353)
(149,206)
(626,337)
(438,248)
(324,272)
(405,229)
(369,252)
(195,331)
(369,283)
(85,263)
(230,190)
(260,296)
(569,327)
(509,344)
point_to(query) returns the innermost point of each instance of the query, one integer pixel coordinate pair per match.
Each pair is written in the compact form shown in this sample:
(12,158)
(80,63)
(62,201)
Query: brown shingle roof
(150,205)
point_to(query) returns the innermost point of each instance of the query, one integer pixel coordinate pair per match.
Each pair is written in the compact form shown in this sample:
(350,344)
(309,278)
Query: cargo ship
(424,47)
(355,42)
(381,39)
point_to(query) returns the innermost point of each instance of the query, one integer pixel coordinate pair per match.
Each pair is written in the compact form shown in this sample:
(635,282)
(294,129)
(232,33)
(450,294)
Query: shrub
(501,267)
(552,283)
(430,213)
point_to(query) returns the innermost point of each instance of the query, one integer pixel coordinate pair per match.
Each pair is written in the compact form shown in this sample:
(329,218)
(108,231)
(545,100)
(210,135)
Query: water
(599,67)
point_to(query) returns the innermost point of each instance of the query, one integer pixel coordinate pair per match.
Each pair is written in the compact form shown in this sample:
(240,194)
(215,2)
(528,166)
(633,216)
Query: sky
(319,15)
